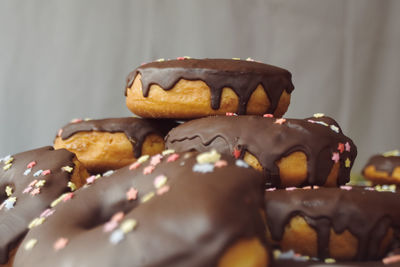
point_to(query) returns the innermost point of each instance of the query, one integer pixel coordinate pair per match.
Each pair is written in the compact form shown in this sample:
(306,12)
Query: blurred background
(65,59)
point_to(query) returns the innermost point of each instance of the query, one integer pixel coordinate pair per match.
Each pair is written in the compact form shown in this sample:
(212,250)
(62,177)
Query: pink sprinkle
(68,196)
(271,189)
(346,187)
(148,169)
(131,194)
(91,179)
(110,226)
(60,243)
(230,114)
(280,121)
(341,148)
(315,187)
(60,132)
(335,157)
(46,213)
(76,120)
(163,190)
(156,159)
(117,217)
(46,172)
(35,191)
(173,157)
(31,164)
(291,188)
(180,58)
(347,146)
(134,166)
(391,259)
(33,183)
(307,187)
(27,190)
(268,115)
(221,163)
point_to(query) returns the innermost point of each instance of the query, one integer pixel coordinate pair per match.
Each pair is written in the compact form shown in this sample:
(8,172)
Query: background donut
(383,169)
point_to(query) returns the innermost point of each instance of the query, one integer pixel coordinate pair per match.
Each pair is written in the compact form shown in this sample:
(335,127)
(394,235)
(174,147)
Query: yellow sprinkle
(98,176)
(36,222)
(208,157)
(9,161)
(330,260)
(236,58)
(128,225)
(30,244)
(277,253)
(160,60)
(40,183)
(6,167)
(147,197)
(143,158)
(72,186)
(186,57)
(347,163)
(67,169)
(319,115)
(392,153)
(167,152)
(58,200)
(9,190)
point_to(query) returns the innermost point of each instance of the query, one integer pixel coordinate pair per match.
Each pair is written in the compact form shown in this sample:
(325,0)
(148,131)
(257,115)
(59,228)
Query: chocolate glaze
(240,75)
(292,263)
(384,164)
(14,222)
(135,129)
(365,214)
(268,142)
(190,225)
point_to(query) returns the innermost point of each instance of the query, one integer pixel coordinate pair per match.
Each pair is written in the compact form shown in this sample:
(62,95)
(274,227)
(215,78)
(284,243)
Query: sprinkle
(9,160)
(67,169)
(241,163)
(35,191)
(280,121)
(32,184)
(156,159)
(8,166)
(143,158)
(341,148)
(163,190)
(346,187)
(132,194)
(268,115)
(117,217)
(30,244)
(391,259)
(90,179)
(58,200)
(208,157)
(68,196)
(31,164)
(36,222)
(249,59)
(236,153)
(288,255)
(160,60)
(291,188)
(110,226)
(386,188)
(60,243)
(27,190)
(40,183)
(149,169)
(347,145)
(128,225)
(134,166)
(173,157)
(347,163)
(369,188)
(36,174)
(318,115)
(335,157)
(108,173)
(180,58)
(72,186)
(271,189)
(10,202)
(117,236)
(203,168)
(221,163)
(236,58)
(6,158)
(159,181)
(167,152)
(230,114)
(330,260)
(46,172)
(186,57)
(27,171)
(335,128)
(47,213)
(319,122)
(60,131)
(9,190)
(147,197)
(392,153)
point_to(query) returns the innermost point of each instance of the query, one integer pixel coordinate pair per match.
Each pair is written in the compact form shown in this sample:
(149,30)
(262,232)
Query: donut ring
(194,88)
(383,169)
(347,223)
(110,144)
(290,152)
(29,182)
(171,210)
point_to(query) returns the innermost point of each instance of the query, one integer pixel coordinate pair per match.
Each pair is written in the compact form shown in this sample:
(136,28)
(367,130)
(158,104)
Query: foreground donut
(110,144)
(29,182)
(290,152)
(170,210)
(347,223)
(383,169)
(192,88)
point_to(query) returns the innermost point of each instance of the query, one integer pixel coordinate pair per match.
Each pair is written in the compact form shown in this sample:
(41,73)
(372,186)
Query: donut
(384,168)
(290,152)
(29,182)
(109,144)
(193,88)
(346,223)
(168,210)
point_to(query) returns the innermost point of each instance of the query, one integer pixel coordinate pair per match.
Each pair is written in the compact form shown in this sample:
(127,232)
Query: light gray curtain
(61,59)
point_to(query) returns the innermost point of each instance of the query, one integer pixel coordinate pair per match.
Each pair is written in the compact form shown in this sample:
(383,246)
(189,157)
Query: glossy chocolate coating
(269,141)
(291,263)
(366,214)
(192,224)
(241,76)
(135,129)
(384,164)
(14,221)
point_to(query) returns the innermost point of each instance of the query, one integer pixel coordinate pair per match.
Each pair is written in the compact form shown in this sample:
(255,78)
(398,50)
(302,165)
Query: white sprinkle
(203,168)
(117,236)
(241,163)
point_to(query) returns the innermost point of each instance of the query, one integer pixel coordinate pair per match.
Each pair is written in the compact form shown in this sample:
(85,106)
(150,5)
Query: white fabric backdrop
(65,59)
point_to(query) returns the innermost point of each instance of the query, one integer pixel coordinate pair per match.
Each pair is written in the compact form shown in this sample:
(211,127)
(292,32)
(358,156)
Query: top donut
(192,88)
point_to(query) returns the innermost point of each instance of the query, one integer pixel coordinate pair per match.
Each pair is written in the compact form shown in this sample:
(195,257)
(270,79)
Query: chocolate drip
(135,129)
(192,224)
(384,164)
(241,76)
(14,221)
(269,142)
(366,214)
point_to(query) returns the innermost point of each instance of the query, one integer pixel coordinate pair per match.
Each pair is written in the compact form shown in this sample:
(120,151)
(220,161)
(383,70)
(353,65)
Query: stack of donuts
(210,174)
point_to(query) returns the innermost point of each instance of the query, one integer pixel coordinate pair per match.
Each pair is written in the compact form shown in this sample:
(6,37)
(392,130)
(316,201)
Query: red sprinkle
(268,115)
(230,114)
(46,172)
(68,196)
(31,164)
(173,157)
(236,153)
(180,58)
(134,166)
(341,147)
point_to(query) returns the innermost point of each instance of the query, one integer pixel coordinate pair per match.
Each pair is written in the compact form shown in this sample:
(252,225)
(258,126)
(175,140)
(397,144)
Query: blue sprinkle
(117,236)
(108,173)
(288,255)
(203,168)
(27,171)
(241,163)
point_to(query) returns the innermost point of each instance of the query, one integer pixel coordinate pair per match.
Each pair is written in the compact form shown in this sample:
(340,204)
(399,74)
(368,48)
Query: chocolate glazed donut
(384,168)
(171,210)
(270,140)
